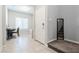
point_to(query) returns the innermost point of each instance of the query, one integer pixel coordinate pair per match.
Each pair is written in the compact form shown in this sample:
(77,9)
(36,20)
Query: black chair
(16,31)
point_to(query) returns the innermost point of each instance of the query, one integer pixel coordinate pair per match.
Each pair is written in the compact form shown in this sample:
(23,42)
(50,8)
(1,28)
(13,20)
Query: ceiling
(21,8)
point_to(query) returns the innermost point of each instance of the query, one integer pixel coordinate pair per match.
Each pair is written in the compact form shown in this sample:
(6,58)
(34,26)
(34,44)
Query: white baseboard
(51,40)
(72,41)
(65,39)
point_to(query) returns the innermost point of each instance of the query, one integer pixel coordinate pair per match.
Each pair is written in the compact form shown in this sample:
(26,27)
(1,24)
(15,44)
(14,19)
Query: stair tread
(65,46)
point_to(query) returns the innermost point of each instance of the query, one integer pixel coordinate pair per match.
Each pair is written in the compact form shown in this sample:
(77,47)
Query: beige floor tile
(25,44)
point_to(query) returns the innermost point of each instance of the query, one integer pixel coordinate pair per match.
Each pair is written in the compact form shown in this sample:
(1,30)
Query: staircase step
(64,46)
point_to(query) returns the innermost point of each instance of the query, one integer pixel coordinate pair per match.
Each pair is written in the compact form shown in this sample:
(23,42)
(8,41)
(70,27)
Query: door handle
(43,25)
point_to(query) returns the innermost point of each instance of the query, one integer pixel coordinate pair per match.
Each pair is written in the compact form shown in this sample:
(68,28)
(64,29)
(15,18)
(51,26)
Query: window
(22,23)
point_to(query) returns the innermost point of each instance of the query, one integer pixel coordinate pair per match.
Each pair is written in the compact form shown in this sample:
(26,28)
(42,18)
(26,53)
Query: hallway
(25,44)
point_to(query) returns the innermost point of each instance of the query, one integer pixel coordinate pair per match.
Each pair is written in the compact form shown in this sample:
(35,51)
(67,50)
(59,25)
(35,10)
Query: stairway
(60,29)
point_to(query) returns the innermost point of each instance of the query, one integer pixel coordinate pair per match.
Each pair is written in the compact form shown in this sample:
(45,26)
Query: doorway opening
(19,19)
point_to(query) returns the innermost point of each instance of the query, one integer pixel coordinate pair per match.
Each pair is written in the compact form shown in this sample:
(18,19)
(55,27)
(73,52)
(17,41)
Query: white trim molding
(72,41)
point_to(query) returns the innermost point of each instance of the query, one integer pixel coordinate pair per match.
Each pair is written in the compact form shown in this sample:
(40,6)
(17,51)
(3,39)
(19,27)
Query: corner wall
(51,22)
(1,34)
(70,13)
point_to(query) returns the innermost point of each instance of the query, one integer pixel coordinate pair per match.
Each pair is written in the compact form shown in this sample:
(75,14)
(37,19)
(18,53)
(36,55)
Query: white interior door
(40,30)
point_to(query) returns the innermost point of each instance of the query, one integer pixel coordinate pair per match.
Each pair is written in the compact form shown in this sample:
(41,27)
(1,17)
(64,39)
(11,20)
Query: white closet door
(40,30)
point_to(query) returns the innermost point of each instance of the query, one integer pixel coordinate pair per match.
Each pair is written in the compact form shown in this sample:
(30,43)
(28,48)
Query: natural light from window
(22,23)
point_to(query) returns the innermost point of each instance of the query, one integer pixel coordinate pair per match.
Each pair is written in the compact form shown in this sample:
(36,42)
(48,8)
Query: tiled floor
(25,44)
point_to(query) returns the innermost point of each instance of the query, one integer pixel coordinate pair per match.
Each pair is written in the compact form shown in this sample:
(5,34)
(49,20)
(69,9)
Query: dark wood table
(10,33)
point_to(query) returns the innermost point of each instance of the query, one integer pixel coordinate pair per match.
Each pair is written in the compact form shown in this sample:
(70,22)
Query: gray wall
(4,24)
(1,33)
(71,21)
(51,20)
